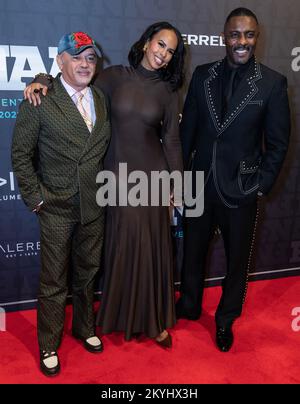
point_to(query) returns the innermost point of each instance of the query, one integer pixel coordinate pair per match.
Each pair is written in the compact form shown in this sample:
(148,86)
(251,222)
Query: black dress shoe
(224,338)
(88,346)
(182,313)
(45,366)
(136,335)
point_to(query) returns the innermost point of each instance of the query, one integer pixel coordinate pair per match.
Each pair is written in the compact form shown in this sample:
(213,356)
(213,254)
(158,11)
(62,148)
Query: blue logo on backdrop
(8,191)
(19,249)
(9,107)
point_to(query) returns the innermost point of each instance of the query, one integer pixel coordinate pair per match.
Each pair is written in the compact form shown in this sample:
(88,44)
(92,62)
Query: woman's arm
(40,84)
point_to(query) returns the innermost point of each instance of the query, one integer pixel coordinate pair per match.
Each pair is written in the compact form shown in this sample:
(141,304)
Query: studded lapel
(243,95)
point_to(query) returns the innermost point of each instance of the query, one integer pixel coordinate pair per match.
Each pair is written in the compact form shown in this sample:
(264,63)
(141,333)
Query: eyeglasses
(91,59)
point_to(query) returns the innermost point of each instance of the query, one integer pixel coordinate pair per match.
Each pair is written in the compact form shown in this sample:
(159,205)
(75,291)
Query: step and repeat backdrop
(29,33)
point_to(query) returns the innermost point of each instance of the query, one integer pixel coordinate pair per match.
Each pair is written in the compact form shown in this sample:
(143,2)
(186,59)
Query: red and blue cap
(77,42)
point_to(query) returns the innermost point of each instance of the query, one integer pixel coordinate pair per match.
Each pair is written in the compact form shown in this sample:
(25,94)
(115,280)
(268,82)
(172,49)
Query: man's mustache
(240,48)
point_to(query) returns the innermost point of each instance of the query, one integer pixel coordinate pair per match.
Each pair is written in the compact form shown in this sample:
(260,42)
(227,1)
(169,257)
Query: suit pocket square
(249,166)
(249,175)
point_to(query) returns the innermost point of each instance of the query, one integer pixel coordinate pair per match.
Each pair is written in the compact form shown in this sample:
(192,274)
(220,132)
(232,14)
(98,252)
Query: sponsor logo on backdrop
(17,249)
(296,60)
(296,321)
(9,107)
(27,62)
(16,64)
(203,40)
(8,191)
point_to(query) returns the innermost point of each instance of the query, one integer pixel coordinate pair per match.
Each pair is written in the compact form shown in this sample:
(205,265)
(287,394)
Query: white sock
(51,362)
(94,341)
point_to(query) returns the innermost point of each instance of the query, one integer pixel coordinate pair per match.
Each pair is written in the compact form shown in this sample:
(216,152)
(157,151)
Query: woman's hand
(33,91)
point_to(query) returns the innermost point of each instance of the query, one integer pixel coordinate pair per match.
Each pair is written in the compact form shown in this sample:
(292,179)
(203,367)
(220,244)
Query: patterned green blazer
(54,155)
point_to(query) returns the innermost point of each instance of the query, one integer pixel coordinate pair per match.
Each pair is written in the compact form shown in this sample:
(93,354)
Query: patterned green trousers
(68,250)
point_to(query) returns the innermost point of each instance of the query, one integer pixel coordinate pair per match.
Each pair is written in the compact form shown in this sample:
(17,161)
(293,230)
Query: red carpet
(266,349)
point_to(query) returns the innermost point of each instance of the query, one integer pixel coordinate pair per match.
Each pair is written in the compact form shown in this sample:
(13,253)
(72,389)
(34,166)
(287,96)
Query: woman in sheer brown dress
(138,292)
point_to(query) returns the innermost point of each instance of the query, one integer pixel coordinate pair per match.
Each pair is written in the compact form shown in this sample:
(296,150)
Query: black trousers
(237,227)
(67,245)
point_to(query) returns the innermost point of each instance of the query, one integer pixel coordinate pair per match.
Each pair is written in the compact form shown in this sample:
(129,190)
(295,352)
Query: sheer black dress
(138,293)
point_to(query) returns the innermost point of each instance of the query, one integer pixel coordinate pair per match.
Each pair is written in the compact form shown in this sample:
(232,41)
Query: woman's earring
(145,48)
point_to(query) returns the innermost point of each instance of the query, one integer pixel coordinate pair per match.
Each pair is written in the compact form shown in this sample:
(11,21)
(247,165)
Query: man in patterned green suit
(57,152)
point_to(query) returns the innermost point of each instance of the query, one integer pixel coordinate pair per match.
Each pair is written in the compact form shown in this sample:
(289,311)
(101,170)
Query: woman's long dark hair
(173,73)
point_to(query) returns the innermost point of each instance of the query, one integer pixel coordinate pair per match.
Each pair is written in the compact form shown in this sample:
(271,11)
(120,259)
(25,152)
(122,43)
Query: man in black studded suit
(236,124)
